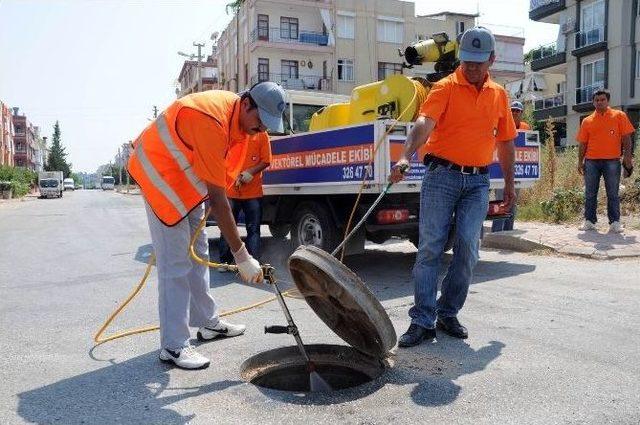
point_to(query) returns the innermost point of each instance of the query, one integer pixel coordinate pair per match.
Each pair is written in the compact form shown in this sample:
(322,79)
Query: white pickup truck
(314,178)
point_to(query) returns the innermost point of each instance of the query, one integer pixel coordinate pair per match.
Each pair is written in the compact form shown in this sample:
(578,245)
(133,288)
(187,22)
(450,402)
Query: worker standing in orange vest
(189,154)
(516,110)
(246,195)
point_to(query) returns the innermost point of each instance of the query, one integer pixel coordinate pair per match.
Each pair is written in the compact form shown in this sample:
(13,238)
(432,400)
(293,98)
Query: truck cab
(108,183)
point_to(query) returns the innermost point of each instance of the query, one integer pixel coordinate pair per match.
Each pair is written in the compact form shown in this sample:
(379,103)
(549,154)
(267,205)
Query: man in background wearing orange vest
(603,136)
(189,154)
(465,117)
(516,111)
(246,195)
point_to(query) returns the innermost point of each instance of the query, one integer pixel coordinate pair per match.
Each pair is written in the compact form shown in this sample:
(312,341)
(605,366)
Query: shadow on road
(131,392)
(386,273)
(606,241)
(430,368)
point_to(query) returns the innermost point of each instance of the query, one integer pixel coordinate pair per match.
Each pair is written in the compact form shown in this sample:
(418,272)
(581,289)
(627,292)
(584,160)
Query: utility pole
(199,46)
(119,168)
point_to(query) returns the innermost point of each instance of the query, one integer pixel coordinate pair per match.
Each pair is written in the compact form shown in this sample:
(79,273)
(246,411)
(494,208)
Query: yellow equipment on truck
(397,96)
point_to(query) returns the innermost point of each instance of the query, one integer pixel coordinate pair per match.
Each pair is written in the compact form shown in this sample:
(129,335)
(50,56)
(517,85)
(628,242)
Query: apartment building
(331,46)
(41,151)
(22,140)
(190,81)
(6,135)
(597,47)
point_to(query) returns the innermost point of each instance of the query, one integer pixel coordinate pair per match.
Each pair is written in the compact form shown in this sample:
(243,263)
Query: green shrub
(18,179)
(565,204)
(19,189)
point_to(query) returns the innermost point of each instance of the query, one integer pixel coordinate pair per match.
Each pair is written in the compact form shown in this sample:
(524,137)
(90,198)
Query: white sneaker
(616,227)
(221,330)
(587,225)
(186,358)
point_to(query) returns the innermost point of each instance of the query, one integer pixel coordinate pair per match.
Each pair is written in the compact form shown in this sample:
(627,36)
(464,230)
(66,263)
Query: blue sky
(98,66)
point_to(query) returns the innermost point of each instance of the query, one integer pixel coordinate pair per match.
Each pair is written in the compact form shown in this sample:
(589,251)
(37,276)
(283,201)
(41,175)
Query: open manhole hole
(284,369)
(348,307)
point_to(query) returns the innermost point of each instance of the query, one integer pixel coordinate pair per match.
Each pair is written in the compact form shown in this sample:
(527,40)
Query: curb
(515,240)
(511,240)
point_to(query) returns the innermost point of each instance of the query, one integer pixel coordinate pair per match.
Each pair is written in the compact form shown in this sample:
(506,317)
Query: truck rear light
(391,216)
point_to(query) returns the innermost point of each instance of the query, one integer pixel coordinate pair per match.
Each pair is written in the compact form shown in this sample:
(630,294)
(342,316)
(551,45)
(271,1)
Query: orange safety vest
(161,163)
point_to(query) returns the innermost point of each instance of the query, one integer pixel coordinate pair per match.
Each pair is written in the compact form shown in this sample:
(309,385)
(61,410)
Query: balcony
(285,36)
(302,82)
(584,95)
(553,106)
(590,41)
(547,56)
(540,9)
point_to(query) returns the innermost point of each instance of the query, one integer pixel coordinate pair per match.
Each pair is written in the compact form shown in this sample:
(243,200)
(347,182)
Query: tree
(57,160)
(234,5)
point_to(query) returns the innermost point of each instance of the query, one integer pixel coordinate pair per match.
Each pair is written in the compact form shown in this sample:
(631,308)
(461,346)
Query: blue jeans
(252,209)
(446,196)
(610,170)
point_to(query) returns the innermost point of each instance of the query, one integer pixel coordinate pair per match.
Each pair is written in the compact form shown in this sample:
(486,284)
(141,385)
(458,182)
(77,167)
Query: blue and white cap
(517,105)
(271,101)
(476,45)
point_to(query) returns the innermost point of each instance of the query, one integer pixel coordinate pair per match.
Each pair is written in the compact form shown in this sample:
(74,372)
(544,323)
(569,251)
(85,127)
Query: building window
(288,28)
(390,31)
(246,74)
(263,69)
(459,27)
(388,68)
(263,27)
(345,26)
(345,69)
(638,62)
(592,16)
(289,69)
(593,73)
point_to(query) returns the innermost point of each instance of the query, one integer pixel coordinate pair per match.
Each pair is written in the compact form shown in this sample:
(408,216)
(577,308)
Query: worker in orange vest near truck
(191,153)
(245,195)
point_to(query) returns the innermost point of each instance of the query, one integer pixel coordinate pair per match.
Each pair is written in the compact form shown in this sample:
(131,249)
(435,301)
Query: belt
(464,169)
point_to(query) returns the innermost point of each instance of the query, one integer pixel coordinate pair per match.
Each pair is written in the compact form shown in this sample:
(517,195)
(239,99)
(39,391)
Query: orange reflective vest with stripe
(161,163)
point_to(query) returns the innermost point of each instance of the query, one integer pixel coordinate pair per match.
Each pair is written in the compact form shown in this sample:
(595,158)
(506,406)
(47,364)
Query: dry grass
(560,172)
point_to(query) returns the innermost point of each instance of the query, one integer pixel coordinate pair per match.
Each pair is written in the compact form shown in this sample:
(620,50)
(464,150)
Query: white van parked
(69,184)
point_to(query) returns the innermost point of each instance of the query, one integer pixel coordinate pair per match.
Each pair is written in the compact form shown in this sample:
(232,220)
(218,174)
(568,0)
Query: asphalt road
(552,339)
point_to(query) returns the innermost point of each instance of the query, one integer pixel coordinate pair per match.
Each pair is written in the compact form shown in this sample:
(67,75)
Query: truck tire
(448,246)
(279,230)
(312,224)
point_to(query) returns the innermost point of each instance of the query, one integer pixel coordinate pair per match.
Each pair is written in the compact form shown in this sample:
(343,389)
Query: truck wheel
(312,224)
(279,230)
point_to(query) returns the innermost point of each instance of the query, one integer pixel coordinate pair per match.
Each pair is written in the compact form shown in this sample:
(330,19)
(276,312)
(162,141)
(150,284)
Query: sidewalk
(27,197)
(566,239)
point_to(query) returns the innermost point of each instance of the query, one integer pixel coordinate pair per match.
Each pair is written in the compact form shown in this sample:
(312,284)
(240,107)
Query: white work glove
(245,177)
(249,268)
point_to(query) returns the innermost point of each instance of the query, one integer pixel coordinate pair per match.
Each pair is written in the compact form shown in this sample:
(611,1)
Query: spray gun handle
(277,329)
(404,168)
(269,273)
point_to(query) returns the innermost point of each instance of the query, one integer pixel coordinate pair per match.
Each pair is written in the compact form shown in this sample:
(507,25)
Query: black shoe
(452,326)
(415,335)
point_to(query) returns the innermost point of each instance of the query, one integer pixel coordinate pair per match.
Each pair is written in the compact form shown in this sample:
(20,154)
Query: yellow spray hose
(99,339)
(419,95)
